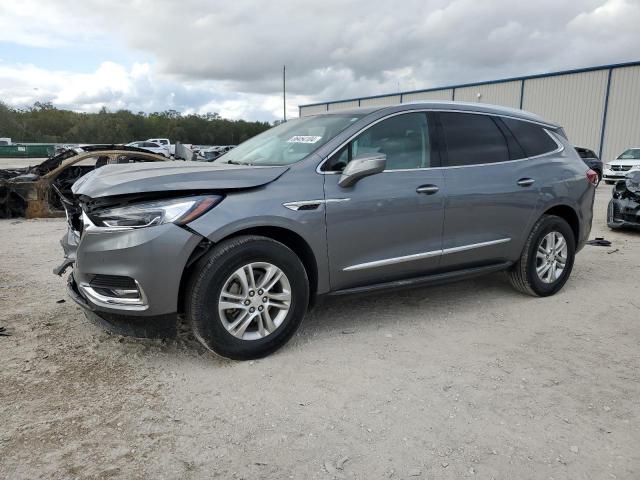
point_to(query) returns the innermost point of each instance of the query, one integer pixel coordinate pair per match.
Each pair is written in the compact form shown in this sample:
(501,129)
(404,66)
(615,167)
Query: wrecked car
(624,207)
(40,191)
(344,202)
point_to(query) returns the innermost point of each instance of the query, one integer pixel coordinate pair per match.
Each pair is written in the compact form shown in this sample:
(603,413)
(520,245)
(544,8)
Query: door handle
(427,189)
(526,182)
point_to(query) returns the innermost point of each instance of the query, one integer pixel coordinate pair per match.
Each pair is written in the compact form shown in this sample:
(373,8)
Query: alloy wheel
(254,301)
(551,257)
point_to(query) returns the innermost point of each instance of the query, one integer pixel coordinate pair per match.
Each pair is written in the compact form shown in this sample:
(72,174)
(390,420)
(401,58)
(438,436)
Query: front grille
(620,168)
(113,282)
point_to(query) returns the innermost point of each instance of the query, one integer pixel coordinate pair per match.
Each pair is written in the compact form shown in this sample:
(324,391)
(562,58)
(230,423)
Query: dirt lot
(468,380)
(19,162)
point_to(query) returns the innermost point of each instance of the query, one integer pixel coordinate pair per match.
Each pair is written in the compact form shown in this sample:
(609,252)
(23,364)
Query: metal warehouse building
(599,107)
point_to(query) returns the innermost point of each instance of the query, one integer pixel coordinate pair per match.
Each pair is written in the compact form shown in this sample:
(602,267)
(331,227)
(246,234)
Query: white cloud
(228,55)
(43,24)
(139,88)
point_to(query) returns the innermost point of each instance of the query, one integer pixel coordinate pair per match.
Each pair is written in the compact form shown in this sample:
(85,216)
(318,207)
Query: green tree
(45,123)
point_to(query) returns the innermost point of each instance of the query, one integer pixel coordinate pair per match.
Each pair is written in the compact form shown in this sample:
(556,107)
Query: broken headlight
(147,214)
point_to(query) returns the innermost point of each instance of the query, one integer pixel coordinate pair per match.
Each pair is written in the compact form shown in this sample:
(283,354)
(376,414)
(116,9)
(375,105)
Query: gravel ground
(19,162)
(466,380)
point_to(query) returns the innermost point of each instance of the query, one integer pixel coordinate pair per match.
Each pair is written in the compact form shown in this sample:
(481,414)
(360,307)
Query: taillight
(592,177)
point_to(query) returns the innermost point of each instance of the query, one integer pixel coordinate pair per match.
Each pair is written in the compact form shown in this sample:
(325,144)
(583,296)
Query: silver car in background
(340,203)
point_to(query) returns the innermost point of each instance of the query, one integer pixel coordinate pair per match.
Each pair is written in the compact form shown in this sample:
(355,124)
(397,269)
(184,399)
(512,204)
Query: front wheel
(247,297)
(547,258)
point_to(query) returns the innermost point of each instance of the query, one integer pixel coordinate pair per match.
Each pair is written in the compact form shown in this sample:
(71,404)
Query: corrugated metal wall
(343,105)
(445,94)
(506,94)
(374,102)
(623,114)
(313,109)
(574,101)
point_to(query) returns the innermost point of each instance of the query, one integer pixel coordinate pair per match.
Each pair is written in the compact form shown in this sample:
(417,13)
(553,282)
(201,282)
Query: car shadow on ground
(339,315)
(335,314)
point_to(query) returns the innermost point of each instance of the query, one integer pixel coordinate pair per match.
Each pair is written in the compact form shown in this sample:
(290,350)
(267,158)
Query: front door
(387,226)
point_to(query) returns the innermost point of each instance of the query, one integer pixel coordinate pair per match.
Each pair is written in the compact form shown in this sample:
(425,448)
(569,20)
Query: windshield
(289,142)
(631,154)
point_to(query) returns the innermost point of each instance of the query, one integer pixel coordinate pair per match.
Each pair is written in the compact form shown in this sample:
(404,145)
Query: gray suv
(346,202)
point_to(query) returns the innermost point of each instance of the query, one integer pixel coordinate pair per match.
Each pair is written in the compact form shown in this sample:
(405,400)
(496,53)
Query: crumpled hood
(147,177)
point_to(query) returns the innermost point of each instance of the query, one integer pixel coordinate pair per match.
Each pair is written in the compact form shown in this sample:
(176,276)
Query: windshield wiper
(233,162)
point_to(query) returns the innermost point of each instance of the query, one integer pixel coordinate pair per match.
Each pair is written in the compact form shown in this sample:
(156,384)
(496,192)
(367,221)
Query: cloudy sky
(227,56)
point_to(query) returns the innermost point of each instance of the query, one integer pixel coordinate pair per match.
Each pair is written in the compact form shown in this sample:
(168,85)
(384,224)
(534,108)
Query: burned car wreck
(40,191)
(624,207)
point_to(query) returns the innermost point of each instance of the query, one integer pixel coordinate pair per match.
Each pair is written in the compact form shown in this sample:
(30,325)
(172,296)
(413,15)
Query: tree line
(43,123)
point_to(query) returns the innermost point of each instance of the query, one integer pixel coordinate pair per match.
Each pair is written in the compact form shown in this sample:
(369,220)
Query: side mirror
(362,167)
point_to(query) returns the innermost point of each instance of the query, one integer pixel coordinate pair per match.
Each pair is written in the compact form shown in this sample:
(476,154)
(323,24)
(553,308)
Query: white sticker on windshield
(304,139)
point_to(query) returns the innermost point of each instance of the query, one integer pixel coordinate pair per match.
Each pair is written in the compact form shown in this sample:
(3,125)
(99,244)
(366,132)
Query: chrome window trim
(419,256)
(545,126)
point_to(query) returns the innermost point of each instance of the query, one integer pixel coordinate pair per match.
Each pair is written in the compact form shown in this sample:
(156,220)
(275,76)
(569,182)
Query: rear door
(491,190)
(387,226)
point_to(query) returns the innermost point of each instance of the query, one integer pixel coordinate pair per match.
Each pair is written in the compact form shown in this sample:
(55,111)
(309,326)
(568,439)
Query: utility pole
(284,91)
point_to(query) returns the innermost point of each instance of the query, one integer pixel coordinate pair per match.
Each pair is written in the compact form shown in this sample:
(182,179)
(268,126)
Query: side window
(472,139)
(404,139)
(533,139)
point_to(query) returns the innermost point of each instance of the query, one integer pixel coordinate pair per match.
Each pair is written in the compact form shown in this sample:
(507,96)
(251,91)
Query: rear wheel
(547,258)
(247,297)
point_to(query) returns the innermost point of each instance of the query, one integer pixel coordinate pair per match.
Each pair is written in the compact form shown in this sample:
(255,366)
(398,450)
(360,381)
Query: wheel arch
(283,235)
(568,214)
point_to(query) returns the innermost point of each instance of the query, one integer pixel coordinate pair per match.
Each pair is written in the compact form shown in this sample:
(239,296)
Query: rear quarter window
(533,138)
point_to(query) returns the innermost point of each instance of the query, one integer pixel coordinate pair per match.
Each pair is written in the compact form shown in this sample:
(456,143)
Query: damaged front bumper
(624,208)
(119,282)
(157,326)
(623,213)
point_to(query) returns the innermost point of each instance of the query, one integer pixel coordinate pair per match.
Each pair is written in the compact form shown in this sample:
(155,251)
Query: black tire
(523,274)
(612,213)
(208,279)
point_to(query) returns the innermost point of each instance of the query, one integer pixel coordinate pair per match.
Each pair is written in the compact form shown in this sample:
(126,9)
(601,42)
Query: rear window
(473,139)
(533,138)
